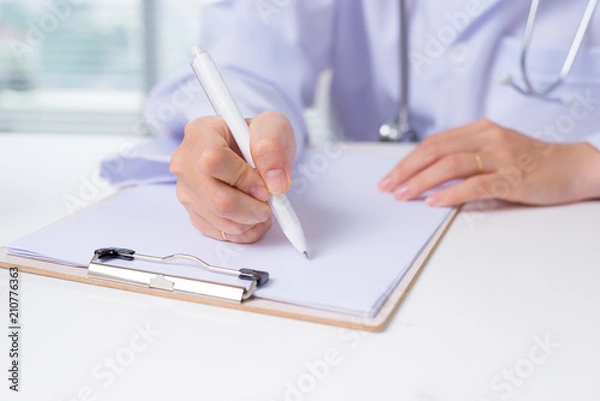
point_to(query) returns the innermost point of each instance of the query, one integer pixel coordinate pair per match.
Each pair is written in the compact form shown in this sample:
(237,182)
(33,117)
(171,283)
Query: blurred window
(82,66)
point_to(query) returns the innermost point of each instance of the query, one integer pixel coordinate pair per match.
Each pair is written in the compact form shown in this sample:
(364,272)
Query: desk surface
(508,307)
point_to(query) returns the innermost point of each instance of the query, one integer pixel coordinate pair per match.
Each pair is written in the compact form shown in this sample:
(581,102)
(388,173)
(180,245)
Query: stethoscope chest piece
(395,132)
(400,130)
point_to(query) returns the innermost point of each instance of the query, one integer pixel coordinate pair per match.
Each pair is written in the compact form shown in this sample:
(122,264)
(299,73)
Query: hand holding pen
(224,195)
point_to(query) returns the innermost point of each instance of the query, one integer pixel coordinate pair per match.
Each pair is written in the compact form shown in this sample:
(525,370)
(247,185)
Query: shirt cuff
(147,164)
(593,140)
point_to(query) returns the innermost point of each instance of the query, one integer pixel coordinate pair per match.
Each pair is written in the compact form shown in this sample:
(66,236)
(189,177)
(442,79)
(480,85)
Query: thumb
(273,148)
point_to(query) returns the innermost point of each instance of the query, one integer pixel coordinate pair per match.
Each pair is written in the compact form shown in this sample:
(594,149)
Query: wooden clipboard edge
(273,308)
(387,310)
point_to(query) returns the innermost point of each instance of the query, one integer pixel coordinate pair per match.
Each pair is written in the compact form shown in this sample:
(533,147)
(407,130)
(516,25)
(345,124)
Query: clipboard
(375,323)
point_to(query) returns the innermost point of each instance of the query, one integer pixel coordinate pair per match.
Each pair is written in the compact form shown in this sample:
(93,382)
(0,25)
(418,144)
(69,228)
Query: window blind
(82,66)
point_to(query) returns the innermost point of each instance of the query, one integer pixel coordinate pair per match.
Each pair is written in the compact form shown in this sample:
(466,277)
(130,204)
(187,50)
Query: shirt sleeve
(269,53)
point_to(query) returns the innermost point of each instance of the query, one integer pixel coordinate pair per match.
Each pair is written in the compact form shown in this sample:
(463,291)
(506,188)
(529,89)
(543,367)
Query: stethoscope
(401,130)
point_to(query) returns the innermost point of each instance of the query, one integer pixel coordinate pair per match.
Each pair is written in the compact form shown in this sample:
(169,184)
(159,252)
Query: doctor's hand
(225,197)
(496,162)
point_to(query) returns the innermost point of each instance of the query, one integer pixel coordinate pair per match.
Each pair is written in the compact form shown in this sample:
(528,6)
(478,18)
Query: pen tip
(306,254)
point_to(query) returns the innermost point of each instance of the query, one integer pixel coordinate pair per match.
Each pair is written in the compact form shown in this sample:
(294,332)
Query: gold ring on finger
(479,164)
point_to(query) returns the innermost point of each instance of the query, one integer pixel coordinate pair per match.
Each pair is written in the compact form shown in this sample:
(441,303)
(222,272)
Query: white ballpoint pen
(225,106)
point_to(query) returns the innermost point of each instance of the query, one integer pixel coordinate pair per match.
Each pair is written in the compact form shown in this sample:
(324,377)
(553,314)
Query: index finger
(210,132)
(434,148)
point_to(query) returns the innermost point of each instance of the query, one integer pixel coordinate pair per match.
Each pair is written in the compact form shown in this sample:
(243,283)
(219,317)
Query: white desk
(498,280)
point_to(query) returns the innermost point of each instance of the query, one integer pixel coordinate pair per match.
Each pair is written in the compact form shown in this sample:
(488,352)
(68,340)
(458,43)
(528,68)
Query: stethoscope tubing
(402,124)
(569,59)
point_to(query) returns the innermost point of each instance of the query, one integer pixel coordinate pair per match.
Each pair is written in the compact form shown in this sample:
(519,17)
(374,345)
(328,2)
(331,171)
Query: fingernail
(434,200)
(386,184)
(401,192)
(276,181)
(260,193)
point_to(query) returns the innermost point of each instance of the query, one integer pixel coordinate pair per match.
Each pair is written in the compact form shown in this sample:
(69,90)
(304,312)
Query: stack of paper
(361,241)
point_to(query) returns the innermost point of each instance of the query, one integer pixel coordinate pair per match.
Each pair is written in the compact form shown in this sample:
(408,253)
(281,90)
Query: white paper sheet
(361,241)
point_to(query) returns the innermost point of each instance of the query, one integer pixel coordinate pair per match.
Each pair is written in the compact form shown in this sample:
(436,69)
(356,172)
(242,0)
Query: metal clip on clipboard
(98,268)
